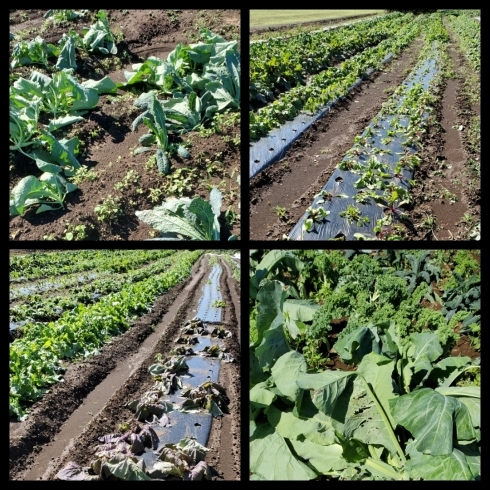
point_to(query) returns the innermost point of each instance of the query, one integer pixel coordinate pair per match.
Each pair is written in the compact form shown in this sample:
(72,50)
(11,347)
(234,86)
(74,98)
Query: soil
(292,182)
(106,139)
(89,403)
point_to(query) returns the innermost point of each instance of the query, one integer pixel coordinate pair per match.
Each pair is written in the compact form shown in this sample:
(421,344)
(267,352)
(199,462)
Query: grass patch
(267,18)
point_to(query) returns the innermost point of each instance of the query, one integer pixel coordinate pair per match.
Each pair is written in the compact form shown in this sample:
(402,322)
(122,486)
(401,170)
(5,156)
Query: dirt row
(447,197)
(447,191)
(89,403)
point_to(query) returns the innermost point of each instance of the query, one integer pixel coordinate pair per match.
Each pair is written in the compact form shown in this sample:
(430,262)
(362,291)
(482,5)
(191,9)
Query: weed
(125,426)
(231,216)
(429,222)
(180,181)
(109,210)
(281,212)
(84,174)
(219,303)
(446,194)
(173,15)
(96,132)
(156,194)
(75,233)
(467,219)
(132,177)
(151,163)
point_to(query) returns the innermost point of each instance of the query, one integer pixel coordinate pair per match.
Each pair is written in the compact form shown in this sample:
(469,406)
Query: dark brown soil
(107,140)
(292,183)
(89,403)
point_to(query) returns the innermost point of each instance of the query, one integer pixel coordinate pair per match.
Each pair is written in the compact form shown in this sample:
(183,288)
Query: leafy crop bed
(444,197)
(127,370)
(365,365)
(115,113)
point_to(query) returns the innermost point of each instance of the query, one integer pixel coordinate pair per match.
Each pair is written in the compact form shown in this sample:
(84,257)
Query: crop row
(37,307)
(468,30)
(42,265)
(334,82)
(35,358)
(282,63)
(383,157)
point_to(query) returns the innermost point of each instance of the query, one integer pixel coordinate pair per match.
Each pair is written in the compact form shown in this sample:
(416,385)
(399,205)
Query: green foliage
(358,424)
(35,358)
(435,321)
(421,270)
(186,218)
(109,210)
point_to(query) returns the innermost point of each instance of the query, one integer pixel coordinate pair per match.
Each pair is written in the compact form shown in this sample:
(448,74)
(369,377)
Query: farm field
(123,369)
(367,132)
(365,365)
(92,161)
(263,19)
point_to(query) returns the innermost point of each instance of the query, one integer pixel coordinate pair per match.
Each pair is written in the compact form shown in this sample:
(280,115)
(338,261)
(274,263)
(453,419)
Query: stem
(386,420)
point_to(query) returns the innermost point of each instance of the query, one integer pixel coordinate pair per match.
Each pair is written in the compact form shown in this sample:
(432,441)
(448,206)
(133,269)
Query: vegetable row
(384,157)
(120,455)
(39,265)
(283,63)
(35,358)
(334,82)
(37,307)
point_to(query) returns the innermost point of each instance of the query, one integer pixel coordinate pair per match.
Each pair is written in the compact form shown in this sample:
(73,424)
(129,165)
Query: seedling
(328,196)
(393,200)
(354,214)
(219,303)
(281,212)
(75,233)
(109,210)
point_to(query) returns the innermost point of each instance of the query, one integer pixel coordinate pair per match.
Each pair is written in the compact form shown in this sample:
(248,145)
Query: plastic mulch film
(211,293)
(333,226)
(272,148)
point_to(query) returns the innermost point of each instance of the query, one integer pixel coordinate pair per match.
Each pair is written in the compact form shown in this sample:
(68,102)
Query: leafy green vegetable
(36,51)
(396,416)
(49,191)
(99,36)
(190,218)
